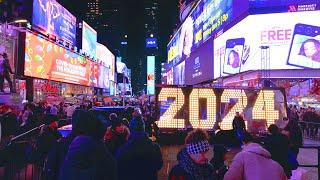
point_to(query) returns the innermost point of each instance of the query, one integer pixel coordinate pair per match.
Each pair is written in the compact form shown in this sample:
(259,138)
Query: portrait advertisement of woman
(305,46)
(311,49)
(234,59)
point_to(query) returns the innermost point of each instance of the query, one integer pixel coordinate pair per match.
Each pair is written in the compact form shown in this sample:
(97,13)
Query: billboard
(269,6)
(107,64)
(206,19)
(292,40)
(151,42)
(199,66)
(150,75)
(206,107)
(54,19)
(89,40)
(46,60)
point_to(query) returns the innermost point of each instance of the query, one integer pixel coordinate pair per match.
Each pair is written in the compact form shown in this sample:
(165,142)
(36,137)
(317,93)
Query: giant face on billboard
(277,41)
(46,60)
(54,19)
(89,40)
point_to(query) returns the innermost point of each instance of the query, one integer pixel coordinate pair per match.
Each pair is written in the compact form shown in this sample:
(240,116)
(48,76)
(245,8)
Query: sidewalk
(307,157)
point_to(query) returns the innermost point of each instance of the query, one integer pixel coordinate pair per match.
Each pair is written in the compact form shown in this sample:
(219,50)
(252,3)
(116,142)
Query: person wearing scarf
(193,161)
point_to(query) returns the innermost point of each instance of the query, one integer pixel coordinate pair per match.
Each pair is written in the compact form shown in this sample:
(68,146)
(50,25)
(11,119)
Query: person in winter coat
(254,162)
(193,159)
(139,158)
(116,135)
(278,146)
(219,156)
(87,157)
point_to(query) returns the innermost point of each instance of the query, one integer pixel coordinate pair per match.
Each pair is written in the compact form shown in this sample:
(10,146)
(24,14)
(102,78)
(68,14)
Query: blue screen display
(151,42)
(89,40)
(54,19)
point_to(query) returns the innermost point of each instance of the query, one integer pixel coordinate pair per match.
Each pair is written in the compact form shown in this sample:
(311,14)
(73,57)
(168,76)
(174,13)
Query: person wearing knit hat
(193,158)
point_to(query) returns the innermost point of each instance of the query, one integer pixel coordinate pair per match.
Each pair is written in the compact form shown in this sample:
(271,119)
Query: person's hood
(257,149)
(80,151)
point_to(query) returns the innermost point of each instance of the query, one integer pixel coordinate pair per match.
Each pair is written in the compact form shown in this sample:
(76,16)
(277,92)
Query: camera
(307,30)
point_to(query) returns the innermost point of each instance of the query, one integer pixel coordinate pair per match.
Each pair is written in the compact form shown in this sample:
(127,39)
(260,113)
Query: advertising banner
(106,68)
(199,66)
(46,60)
(150,75)
(273,6)
(205,108)
(89,40)
(151,43)
(54,19)
(207,18)
(292,40)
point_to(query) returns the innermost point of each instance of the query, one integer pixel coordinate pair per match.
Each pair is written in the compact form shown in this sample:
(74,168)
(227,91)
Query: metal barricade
(16,167)
(310,130)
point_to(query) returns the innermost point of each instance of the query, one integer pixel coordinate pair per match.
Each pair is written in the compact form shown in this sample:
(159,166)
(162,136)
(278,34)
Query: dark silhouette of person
(5,69)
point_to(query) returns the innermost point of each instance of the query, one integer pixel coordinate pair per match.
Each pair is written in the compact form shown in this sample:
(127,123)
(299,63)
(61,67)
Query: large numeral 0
(228,94)
(167,120)
(264,107)
(194,108)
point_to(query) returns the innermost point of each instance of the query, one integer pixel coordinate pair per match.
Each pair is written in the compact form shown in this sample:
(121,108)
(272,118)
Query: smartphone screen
(305,47)
(233,55)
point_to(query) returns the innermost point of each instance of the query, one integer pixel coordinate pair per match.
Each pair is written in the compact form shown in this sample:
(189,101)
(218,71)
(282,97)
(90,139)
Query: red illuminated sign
(46,60)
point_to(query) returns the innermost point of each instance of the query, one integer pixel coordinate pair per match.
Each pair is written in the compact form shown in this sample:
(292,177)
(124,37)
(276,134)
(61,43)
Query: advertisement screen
(150,75)
(304,4)
(151,42)
(107,60)
(199,66)
(89,40)
(206,19)
(54,19)
(291,41)
(205,108)
(46,60)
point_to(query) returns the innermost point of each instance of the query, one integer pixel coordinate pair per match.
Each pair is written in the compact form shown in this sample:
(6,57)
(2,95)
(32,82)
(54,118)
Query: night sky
(134,27)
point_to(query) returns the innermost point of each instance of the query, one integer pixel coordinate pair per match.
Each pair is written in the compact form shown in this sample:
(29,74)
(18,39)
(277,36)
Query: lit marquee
(195,120)
(167,120)
(241,103)
(235,100)
(264,107)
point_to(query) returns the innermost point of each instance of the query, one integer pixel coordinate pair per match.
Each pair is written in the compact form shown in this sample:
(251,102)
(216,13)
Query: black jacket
(139,158)
(88,159)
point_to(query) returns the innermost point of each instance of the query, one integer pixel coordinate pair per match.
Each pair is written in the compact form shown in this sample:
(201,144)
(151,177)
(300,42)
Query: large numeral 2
(167,120)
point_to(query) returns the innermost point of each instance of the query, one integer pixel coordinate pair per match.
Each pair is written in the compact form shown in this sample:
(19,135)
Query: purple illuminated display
(199,66)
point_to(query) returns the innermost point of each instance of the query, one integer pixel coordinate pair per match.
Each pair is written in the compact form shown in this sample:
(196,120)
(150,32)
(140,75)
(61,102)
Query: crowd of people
(308,118)
(125,148)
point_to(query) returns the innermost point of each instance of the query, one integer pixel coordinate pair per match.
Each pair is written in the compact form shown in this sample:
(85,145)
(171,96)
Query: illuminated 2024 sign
(203,107)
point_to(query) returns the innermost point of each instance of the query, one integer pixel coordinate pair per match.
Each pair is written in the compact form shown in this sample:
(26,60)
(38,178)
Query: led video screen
(207,18)
(150,75)
(89,40)
(54,19)
(205,108)
(46,60)
(291,40)
(199,66)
